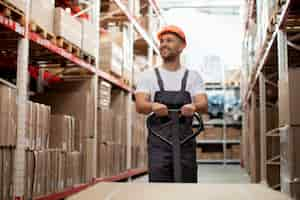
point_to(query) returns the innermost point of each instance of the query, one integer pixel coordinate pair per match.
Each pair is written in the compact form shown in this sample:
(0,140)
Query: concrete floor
(215,174)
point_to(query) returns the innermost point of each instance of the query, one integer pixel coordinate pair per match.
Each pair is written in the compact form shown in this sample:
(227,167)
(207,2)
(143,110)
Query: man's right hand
(160,109)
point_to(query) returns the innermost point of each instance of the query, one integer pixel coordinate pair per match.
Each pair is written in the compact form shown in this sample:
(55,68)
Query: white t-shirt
(147,81)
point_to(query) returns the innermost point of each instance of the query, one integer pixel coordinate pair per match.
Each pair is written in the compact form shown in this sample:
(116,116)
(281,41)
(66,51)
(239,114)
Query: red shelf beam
(12,25)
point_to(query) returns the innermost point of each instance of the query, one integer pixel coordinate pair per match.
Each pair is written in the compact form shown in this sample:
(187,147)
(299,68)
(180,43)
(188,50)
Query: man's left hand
(188,110)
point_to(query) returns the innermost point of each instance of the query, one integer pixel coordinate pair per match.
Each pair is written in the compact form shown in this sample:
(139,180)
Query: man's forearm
(201,107)
(144,108)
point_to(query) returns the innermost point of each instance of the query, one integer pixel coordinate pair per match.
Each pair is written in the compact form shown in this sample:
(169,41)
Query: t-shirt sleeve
(197,84)
(143,83)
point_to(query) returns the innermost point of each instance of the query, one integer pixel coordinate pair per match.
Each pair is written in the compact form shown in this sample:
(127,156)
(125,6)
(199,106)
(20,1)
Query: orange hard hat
(172,29)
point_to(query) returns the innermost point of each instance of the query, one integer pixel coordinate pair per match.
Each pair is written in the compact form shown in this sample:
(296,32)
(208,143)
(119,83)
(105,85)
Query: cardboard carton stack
(67,27)
(139,138)
(53,165)
(112,131)
(6,173)
(111,58)
(89,36)
(8,116)
(42,14)
(211,133)
(290,135)
(37,126)
(233,133)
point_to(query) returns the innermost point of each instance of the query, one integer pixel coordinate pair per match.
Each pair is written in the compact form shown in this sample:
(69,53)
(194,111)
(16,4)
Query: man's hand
(160,109)
(188,110)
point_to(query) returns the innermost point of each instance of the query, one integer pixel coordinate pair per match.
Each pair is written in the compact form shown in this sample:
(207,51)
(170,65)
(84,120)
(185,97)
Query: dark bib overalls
(160,154)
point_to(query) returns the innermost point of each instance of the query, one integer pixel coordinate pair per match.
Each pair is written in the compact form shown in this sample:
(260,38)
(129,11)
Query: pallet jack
(176,143)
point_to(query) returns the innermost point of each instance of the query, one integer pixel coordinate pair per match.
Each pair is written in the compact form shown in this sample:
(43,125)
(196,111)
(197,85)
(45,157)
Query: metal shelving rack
(19,41)
(277,54)
(220,122)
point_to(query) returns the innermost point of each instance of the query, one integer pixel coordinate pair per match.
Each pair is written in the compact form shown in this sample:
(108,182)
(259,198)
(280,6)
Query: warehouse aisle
(215,174)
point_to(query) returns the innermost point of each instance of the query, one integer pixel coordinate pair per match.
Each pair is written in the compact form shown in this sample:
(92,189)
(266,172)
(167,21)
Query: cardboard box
(67,27)
(290,160)
(42,13)
(89,159)
(105,125)
(233,133)
(111,58)
(89,36)
(62,134)
(20,4)
(213,133)
(8,116)
(288,99)
(104,94)
(7,160)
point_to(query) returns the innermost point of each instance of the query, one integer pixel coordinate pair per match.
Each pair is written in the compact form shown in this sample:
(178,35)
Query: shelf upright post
(22,86)
(129,59)
(94,86)
(150,27)
(263,128)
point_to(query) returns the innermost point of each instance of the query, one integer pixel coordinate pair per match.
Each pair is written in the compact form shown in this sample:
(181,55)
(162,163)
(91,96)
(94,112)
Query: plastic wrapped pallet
(73,169)
(67,27)
(8,124)
(111,58)
(42,13)
(89,36)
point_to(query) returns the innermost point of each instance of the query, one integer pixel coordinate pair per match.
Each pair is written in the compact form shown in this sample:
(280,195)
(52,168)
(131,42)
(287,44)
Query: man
(167,87)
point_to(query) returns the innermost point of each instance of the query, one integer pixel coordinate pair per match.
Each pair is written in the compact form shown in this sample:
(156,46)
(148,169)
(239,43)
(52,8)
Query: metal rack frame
(275,47)
(25,39)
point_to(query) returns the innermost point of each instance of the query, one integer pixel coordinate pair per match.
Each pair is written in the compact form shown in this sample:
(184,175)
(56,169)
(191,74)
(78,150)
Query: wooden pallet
(68,46)
(88,58)
(12,12)
(34,27)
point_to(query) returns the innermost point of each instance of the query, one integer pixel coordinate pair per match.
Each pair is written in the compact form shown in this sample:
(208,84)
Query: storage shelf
(218,141)
(264,52)
(210,161)
(210,141)
(57,52)
(139,29)
(78,188)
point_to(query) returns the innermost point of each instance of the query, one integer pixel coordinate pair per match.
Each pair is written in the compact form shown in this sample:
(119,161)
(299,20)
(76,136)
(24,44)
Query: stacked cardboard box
(198,153)
(8,123)
(6,173)
(211,133)
(42,13)
(37,125)
(290,135)
(51,171)
(139,138)
(233,152)
(67,27)
(20,4)
(104,94)
(233,133)
(111,58)
(89,36)
(290,161)
(211,156)
(62,132)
